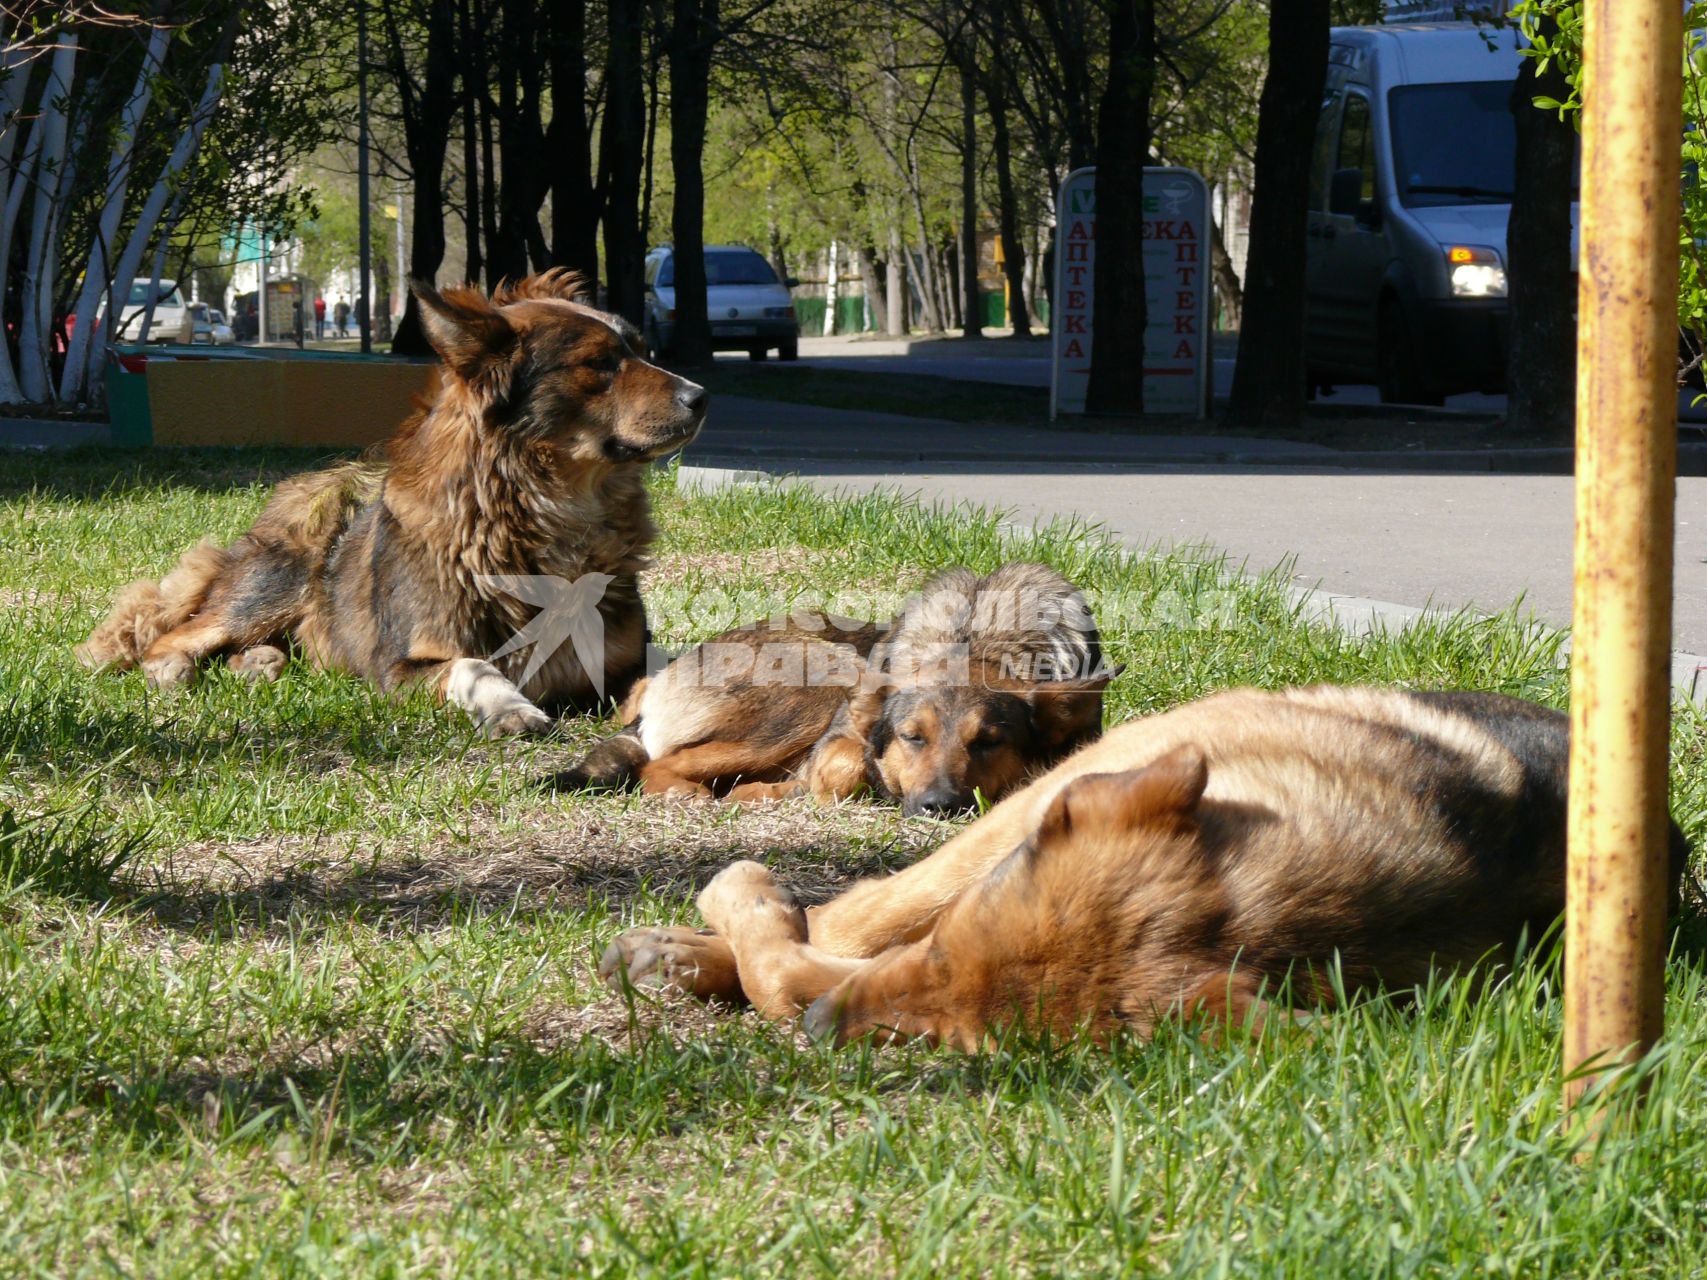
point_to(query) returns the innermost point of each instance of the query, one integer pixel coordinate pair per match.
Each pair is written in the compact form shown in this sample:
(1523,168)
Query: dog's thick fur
(1187,862)
(527,462)
(979,684)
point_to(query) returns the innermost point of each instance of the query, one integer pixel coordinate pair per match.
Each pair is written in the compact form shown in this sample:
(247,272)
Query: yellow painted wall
(282,402)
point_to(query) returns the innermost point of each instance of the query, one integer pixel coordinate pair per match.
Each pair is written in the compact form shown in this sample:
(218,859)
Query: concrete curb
(1691,459)
(1355,615)
(52,433)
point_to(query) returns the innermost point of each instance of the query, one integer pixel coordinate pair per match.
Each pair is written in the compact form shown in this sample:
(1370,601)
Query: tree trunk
(928,294)
(832,278)
(622,140)
(652,63)
(1227,279)
(19,174)
(692,36)
(474,264)
(489,172)
(427,114)
(1013,245)
(971,308)
(1035,292)
(1541,376)
(895,296)
(1119,312)
(114,192)
(876,304)
(773,243)
(1268,381)
(36,287)
(948,272)
(569,143)
(381,287)
(520,135)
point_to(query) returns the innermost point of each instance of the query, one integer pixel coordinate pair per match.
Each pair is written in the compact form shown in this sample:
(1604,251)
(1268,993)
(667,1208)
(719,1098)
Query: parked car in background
(749,308)
(1410,193)
(206,326)
(169,312)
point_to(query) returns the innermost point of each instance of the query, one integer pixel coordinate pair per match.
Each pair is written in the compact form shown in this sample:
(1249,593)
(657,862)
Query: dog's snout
(692,397)
(940,799)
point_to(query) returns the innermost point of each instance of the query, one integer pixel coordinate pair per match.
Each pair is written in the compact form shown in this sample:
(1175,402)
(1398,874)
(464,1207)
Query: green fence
(850,314)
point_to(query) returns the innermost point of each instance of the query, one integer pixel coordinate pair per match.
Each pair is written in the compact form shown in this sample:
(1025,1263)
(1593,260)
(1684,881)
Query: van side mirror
(1345,189)
(791,282)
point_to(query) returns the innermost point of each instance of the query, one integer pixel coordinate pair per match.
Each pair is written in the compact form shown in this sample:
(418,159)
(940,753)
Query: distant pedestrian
(341,316)
(319,317)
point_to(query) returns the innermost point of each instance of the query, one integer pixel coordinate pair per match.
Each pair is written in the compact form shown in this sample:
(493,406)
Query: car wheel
(789,350)
(1397,374)
(758,353)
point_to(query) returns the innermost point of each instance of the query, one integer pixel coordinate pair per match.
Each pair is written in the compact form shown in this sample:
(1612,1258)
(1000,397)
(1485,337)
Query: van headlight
(1476,271)
(778,313)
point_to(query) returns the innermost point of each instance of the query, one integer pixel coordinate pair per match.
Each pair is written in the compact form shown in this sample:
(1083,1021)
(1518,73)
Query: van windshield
(142,290)
(1453,143)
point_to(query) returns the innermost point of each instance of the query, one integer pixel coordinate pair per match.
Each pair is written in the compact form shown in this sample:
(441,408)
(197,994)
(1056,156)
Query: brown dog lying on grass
(977,686)
(528,463)
(1187,863)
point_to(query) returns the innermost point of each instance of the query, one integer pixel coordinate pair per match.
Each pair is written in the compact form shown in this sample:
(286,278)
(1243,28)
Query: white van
(169,312)
(1410,192)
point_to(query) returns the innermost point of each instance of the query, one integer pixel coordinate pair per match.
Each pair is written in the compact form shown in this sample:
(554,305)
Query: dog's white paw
(496,706)
(522,718)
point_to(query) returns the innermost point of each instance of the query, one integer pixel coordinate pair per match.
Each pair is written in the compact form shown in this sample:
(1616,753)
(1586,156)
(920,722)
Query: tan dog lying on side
(1185,863)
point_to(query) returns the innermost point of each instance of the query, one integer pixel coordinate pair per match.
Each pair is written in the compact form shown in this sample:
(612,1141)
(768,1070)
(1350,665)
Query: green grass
(296,978)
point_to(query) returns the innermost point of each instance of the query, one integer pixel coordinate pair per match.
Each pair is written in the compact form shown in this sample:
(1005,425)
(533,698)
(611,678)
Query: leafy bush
(1554,33)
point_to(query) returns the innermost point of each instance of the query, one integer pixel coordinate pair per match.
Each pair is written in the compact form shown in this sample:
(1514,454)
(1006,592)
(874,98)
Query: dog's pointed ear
(1164,792)
(469,333)
(1068,711)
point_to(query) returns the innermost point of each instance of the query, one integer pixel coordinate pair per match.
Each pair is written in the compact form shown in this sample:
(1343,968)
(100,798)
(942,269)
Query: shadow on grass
(528,880)
(65,733)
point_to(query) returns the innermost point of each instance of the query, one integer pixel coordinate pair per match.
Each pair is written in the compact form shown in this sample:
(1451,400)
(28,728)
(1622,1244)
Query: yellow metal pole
(1626,468)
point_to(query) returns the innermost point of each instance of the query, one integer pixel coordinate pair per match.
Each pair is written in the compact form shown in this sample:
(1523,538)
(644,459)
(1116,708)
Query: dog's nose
(819,1020)
(692,397)
(937,800)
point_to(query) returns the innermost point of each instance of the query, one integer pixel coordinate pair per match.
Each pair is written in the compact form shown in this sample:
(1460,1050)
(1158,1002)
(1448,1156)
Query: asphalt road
(1478,541)
(1451,540)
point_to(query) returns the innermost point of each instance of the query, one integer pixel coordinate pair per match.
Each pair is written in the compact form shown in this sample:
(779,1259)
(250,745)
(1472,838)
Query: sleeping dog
(979,684)
(1186,863)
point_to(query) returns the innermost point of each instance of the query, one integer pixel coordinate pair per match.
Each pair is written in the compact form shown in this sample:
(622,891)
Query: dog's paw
(748,889)
(170,671)
(515,720)
(263,662)
(764,792)
(696,961)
